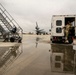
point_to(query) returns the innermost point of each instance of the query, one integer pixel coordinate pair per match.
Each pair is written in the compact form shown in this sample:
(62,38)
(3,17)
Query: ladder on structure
(9,26)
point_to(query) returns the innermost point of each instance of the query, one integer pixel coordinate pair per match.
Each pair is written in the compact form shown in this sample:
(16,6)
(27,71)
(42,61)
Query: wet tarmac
(38,57)
(8,54)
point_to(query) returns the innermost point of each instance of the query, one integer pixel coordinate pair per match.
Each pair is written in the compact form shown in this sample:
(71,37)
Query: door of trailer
(75,25)
(57,24)
(71,21)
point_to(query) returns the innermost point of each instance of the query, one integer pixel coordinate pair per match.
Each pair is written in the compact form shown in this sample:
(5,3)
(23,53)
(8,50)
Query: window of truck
(58,30)
(58,22)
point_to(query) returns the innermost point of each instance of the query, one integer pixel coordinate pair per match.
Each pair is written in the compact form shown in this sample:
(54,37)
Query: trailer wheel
(37,33)
(12,39)
(70,39)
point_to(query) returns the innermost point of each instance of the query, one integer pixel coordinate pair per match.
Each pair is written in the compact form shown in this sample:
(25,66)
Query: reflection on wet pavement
(41,40)
(37,40)
(62,58)
(7,56)
(37,60)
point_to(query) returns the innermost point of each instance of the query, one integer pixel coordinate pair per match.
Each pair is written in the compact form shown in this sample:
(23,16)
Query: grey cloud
(27,12)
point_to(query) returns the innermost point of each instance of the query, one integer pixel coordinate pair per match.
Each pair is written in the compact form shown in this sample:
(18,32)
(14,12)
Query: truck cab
(57,31)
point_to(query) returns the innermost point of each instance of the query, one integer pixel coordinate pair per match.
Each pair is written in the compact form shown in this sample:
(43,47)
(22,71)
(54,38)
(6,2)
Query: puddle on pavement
(7,56)
(62,58)
(40,40)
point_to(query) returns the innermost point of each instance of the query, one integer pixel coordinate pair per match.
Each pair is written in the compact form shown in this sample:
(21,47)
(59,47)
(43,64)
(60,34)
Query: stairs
(5,22)
(9,25)
(2,30)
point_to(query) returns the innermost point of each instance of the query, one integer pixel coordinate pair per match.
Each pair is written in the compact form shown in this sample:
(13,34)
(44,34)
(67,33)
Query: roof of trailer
(64,15)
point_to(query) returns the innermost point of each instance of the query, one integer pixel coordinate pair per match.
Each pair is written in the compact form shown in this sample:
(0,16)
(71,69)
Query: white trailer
(57,31)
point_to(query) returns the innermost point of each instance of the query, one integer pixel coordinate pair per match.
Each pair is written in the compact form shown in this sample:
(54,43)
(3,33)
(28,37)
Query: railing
(9,22)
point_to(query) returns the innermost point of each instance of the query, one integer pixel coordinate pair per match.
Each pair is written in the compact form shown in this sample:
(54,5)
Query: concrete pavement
(34,60)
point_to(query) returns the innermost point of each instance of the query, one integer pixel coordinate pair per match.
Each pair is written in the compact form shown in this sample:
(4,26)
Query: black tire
(12,39)
(37,33)
(70,40)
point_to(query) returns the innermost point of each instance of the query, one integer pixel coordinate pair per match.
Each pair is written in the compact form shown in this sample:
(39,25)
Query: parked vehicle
(58,26)
(40,31)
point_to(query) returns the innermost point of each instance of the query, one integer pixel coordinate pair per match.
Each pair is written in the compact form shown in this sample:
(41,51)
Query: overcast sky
(27,12)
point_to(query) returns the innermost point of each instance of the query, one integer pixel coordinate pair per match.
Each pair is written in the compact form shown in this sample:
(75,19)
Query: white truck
(57,31)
